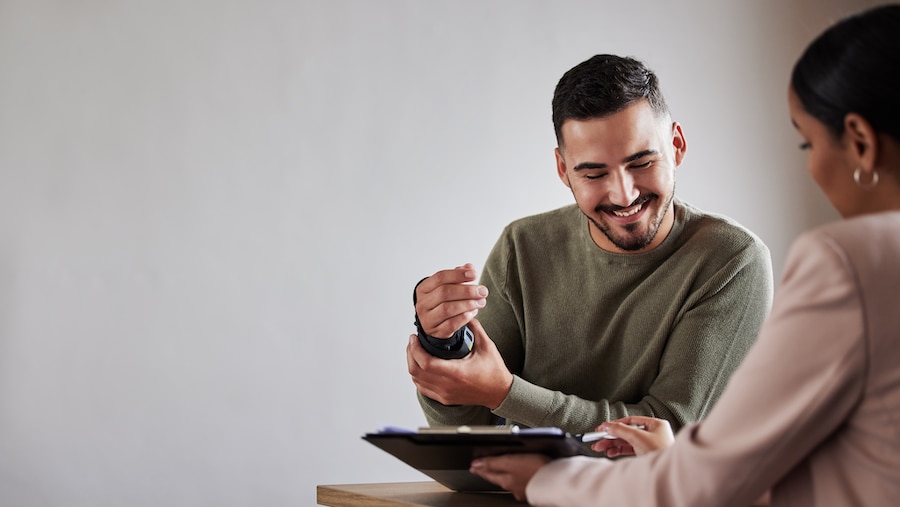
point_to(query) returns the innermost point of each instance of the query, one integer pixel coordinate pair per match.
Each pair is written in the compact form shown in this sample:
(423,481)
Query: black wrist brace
(456,347)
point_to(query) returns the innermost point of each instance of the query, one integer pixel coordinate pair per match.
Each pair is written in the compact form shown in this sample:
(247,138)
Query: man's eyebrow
(589,165)
(638,155)
(599,165)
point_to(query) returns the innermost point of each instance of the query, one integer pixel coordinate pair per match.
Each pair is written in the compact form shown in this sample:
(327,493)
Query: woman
(812,416)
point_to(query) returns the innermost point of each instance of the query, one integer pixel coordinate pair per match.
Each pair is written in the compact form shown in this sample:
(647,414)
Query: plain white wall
(212,213)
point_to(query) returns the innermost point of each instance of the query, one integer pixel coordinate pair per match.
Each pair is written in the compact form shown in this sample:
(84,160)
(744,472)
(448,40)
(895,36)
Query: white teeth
(624,214)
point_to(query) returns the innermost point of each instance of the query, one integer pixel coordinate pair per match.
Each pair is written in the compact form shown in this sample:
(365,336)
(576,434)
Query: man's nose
(622,190)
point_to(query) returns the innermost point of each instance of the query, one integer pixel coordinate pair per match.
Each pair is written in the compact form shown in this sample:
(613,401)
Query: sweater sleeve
(795,388)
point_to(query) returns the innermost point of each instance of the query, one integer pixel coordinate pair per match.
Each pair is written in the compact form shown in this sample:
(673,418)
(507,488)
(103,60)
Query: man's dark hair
(853,68)
(601,86)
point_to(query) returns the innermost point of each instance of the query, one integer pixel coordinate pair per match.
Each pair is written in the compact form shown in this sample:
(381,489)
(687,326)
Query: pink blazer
(811,415)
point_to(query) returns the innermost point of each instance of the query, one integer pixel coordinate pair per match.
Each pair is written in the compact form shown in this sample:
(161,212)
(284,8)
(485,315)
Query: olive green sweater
(592,335)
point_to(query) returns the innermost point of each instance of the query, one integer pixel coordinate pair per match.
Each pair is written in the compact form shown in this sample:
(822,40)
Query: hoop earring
(865,186)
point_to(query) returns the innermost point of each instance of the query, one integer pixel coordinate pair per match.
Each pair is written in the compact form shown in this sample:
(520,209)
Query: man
(629,302)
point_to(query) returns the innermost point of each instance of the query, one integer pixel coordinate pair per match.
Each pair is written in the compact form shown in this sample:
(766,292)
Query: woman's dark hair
(854,67)
(601,86)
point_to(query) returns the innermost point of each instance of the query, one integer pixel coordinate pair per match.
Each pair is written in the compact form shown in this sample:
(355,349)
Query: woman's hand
(657,434)
(509,471)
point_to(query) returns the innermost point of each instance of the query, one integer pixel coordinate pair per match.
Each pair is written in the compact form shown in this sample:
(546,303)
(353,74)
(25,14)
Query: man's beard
(635,240)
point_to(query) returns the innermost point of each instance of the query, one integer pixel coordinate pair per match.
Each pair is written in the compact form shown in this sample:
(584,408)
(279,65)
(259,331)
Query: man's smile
(627,214)
(628,211)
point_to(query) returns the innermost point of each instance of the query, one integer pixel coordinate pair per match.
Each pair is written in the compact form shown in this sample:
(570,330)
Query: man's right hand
(448,300)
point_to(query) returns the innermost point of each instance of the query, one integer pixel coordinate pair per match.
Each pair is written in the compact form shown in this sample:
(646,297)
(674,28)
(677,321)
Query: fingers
(656,435)
(459,274)
(621,445)
(613,450)
(659,430)
(416,364)
(448,299)
(632,426)
(510,472)
(412,365)
(648,422)
(508,463)
(433,377)
(453,277)
(616,447)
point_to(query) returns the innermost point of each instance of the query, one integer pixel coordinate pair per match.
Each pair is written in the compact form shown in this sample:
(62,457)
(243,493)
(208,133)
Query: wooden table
(407,494)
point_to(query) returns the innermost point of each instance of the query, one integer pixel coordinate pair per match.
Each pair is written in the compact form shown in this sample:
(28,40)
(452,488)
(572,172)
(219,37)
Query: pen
(600,435)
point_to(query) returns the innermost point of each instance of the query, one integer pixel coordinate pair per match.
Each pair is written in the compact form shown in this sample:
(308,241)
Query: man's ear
(679,143)
(862,142)
(561,167)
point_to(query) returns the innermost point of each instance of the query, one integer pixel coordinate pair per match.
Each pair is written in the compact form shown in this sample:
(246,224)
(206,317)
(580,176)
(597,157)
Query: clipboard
(445,453)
